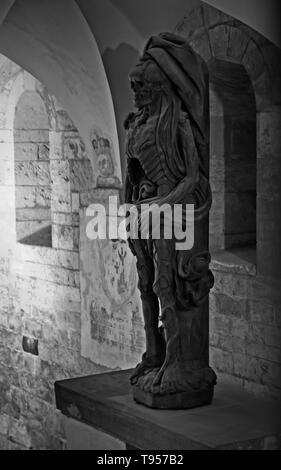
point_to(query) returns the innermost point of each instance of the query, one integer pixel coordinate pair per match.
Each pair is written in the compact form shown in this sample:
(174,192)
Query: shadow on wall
(118,63)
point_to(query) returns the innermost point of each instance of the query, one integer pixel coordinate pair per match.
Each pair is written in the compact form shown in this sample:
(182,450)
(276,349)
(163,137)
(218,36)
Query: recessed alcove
(32,171)
(232,159)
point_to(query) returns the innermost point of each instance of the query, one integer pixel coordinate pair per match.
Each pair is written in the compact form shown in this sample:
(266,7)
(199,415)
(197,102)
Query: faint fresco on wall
(112,329)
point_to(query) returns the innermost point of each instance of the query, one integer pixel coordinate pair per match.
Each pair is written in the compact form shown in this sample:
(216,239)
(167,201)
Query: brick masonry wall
(245,329)
(40,298)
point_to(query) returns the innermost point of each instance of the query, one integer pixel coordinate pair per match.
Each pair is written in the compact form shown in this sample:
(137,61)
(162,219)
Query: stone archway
(217,36)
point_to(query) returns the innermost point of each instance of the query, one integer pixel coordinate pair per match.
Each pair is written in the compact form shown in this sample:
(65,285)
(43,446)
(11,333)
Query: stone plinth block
(174,401)
(235,420)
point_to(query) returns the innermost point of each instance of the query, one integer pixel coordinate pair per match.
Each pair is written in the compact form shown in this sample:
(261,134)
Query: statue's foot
(175,378)
(146,366)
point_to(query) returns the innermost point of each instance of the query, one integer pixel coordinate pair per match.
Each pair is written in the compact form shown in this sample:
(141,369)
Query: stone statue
(167,150)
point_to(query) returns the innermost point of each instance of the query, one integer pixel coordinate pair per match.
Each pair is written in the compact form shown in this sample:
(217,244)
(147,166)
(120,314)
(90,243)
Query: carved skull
(147,82)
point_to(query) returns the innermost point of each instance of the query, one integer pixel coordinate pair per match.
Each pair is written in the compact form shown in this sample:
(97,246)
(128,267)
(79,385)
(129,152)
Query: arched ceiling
(60,43)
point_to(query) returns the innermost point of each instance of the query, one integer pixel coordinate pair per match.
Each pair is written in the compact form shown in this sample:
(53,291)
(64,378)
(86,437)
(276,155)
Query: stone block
(56,274)
(269,142)
(49,295)
(227,343)
(4,424)
(217,214)
(213,16)
(257,37)
(221,361)
(273,336)
(36,136)
(216,107)
(255,333)
(192,23)
(43,196)
(25,196)
(56,145)
(59,218)
(6,173)
(217,142)
(219,39)
(43,151)
(201,45)
(268,208)
(32,173)
(6,136)
(269,176)
(235,286)
(49,256)
(33,214)
(6,151)
(26,151)
(263,351)
(261,312)
(247,367)
(32,329)
(18,433)
(263,92)
(4,299)
(253,61)
(63,237)
(272,57)
(75,202)
(15,321)
(33,228)
(268,261)
(238,42)
(221,324)
(61,198)
(60,172)
(271,374)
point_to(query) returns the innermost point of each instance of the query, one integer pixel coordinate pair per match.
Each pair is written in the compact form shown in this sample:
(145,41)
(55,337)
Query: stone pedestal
(104,404)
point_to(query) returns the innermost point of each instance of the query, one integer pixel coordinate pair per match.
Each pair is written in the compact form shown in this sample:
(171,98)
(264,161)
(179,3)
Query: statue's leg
(164,288)
(155,343)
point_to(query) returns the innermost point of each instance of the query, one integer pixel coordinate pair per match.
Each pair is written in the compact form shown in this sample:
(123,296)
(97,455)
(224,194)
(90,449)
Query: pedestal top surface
(234,419)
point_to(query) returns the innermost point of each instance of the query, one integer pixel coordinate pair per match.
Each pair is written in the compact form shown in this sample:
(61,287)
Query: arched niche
(233,156)
(32,170)
(217,36)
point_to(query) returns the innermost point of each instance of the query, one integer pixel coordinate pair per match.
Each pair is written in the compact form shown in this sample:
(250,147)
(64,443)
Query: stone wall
(245,326)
